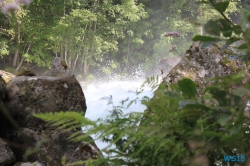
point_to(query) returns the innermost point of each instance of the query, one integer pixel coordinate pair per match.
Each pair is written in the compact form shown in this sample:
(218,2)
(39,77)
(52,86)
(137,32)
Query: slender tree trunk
(17,42)
(56,50)
(61,50)
(74,65)
(81,67)
(66,54)
(85,69)
(201,28)
(69,62)
(23,57)
(127,58)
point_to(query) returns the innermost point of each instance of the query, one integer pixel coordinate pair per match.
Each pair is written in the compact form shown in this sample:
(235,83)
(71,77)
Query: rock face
(166,64)
(2,88)
(40,94)
(59,68)
(200,64)
(6,154)
(57,91)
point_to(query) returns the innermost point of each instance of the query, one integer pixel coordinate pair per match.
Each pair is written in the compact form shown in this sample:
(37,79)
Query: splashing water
(119,90)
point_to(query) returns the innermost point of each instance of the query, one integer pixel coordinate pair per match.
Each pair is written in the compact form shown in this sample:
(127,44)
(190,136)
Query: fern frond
(65,120)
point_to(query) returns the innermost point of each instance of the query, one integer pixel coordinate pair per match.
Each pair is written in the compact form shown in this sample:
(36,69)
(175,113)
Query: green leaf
(237,29)
(212,28)
(206,44)
(205,38)
(242,46)
(224,24)
(211,134)
(241,91)
(184,103)
(192,104)
(229,42)
(225,27)
(224,119)
(219,95)
(221,6)
(235,130)
(188,87)
(63,160)
(247,17)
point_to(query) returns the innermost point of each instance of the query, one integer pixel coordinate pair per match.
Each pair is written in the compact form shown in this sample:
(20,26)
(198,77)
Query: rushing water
(97,106)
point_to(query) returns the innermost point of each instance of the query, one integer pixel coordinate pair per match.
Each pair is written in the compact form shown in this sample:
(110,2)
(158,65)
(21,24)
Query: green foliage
(173,130)
(3,48)
(224,30)
(70,120)
(187,87)
(177,128)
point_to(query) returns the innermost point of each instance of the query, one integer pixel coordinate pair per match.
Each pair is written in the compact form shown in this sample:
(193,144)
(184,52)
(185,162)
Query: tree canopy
(105,36)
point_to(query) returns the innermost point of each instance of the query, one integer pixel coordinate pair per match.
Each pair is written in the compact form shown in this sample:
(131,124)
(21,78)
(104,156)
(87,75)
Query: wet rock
(6,155)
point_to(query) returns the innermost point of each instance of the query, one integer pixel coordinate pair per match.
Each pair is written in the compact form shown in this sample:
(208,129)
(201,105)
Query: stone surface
(200,64)
(2,88)
(40,94)
(166,64)
(6,155)
(56,145)
(59,68)
(87,151)
(56,91)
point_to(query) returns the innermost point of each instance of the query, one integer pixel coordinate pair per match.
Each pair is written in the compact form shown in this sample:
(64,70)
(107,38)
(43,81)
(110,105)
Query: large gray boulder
(41,94)
(57,90)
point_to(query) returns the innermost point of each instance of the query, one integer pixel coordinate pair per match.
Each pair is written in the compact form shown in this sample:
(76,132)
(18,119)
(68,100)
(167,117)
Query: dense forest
(100,37)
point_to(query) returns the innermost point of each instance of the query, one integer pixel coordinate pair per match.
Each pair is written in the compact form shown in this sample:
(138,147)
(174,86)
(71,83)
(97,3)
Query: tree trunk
(17,35)
(128,52)
(201,28)
(74,65)
(85,69)
(61,50)
(23,57)
(65,55)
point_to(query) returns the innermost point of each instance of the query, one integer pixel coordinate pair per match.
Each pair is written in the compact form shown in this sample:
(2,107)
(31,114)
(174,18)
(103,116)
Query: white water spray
(97,107)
